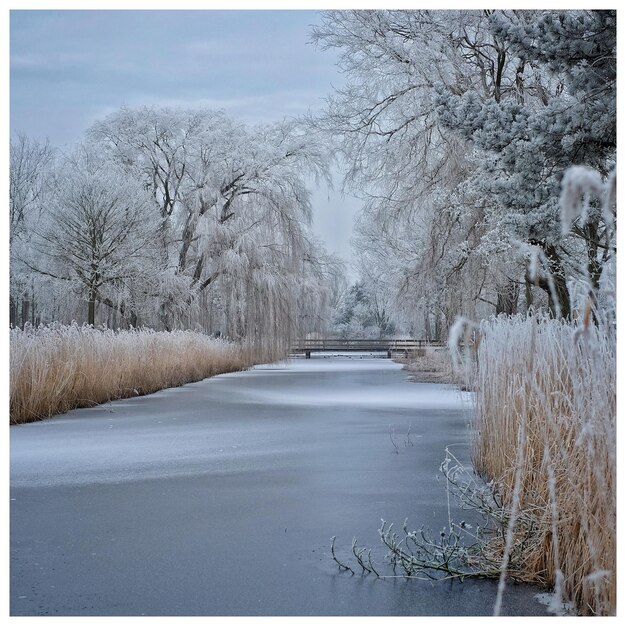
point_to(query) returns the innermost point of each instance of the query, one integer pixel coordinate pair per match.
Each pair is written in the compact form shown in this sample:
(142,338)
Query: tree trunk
(437,330)
(560,284)
(127,314)
(507,298)
(91,308)
(12,311)
(562,294)
(427,333)
(25,310)
(555,285)
(528,293)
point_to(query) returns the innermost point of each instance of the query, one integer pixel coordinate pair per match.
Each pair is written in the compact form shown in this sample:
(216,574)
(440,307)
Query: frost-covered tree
(162,149)
(526,144)
(422,225)
(456,126)
(234,214)
(360,314)
(177,218)
(95,235)
(30,163)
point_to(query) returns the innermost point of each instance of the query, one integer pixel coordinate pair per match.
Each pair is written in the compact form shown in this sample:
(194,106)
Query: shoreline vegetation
(431,365)
(546,420)
(545,445)
(56,368)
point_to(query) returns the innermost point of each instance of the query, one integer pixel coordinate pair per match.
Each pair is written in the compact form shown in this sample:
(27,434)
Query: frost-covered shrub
(546,410)
(56,368)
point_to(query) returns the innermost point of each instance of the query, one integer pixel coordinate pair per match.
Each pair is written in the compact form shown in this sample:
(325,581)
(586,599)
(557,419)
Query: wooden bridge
(390,346)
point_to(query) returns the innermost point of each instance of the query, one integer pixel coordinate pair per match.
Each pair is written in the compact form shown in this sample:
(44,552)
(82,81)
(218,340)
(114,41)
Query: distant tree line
(359,314)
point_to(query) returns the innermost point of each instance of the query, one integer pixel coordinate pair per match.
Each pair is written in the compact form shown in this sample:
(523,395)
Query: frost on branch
(579,187)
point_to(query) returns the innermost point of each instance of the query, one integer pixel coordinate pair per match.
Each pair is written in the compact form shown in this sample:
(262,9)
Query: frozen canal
(220,497)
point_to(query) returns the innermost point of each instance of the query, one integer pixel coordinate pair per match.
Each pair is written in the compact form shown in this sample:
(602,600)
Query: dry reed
(57,368)
(433,365)
(555,383)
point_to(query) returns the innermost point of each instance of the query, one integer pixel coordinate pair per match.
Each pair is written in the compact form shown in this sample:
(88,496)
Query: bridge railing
(307,346)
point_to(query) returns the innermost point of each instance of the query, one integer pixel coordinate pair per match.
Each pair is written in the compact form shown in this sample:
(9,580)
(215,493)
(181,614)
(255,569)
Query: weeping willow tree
(225,226)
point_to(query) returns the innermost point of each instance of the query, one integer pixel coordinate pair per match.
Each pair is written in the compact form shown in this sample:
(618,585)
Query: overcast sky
(70,68)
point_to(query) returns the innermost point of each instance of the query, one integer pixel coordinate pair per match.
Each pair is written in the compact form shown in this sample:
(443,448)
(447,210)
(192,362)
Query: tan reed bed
(57,368)
(432,365)
(545,393)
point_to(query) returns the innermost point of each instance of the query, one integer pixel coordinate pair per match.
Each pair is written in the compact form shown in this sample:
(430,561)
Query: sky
(70,68)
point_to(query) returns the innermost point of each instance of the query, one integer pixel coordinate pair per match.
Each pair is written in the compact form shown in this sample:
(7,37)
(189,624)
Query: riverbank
(57,368)
(546,414)
(545,418)
(431,365)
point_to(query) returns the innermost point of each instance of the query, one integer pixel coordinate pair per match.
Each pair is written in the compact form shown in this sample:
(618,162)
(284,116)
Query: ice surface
(150,505)
(186,430)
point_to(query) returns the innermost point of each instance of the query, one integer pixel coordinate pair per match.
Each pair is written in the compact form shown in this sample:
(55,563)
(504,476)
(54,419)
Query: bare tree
(30,162)
(97,235)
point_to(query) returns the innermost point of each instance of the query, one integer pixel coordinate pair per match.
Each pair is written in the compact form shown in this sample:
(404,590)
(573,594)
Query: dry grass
(57,368)
(546,405)
(432,365)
